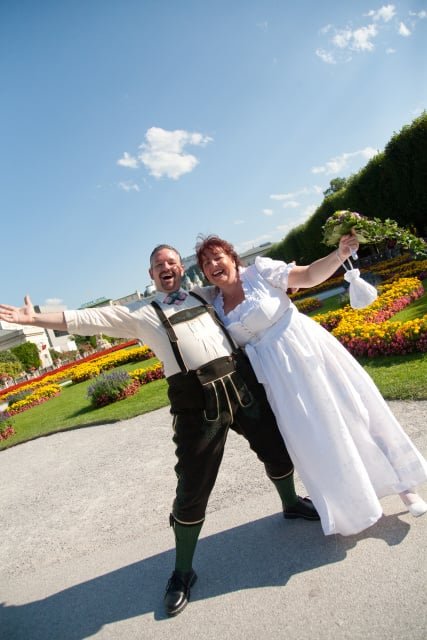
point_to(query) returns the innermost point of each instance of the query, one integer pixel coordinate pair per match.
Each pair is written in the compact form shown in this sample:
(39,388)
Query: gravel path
(86,550)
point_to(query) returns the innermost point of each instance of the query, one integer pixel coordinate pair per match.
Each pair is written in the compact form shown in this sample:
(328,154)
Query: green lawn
(399,377)
(72,409)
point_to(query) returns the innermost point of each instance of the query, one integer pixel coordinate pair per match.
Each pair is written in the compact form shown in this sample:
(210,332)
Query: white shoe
(417,508)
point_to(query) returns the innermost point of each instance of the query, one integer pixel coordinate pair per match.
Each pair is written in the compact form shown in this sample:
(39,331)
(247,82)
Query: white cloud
(342,38)
(340,163)
(268,212)
(128,161)
(361,38)
(326,56)
(239,221)
(53,302)
(386,13)
(348,40)
(326,29)
(299,219)
(403,30)
(128,186)
(163,152)
(290,204)
(317,189)
(308,211)
(296,194)
(357,40)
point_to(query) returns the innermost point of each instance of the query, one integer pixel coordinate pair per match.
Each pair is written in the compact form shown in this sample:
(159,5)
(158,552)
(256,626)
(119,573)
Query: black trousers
(200,442)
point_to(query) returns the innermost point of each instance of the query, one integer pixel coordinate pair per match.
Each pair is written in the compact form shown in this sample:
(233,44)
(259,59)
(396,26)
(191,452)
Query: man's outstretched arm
(27,316)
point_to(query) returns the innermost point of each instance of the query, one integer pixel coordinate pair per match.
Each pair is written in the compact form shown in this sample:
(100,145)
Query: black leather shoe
(303,508)
(178,591)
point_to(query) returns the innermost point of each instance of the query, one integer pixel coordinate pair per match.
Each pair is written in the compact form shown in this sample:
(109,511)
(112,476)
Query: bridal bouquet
(369,230)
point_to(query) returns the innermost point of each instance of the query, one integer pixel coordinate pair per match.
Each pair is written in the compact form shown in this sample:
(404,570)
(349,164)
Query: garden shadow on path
(263,553)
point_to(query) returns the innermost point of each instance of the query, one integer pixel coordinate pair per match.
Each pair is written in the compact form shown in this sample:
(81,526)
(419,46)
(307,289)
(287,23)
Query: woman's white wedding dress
(347,446)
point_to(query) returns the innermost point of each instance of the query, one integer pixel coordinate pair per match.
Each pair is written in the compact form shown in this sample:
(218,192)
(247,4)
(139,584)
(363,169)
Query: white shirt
(200,340)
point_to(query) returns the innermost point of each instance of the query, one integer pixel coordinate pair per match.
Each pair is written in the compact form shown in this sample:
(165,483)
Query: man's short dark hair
(164,246)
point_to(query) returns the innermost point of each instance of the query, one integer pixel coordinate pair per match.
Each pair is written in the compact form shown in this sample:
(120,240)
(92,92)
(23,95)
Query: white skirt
(348,448)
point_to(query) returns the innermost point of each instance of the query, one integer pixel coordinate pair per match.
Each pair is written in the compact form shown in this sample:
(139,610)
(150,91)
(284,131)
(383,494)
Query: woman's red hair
(216,245)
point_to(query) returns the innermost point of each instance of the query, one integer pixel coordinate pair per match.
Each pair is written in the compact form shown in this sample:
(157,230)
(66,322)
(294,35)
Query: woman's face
(219,268)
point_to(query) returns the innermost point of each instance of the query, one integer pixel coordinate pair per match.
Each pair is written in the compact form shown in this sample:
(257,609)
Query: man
(212,388)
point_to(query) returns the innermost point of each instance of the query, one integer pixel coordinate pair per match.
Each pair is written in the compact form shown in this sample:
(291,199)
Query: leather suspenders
(184,315)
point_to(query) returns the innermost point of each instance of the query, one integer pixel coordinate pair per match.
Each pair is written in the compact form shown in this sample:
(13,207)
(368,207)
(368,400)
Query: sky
(129,123)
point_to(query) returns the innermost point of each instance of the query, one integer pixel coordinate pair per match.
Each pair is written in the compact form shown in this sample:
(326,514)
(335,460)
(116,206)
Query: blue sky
(129,123)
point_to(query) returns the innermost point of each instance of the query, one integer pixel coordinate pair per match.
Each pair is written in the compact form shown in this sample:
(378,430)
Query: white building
(12,335)
(248,257)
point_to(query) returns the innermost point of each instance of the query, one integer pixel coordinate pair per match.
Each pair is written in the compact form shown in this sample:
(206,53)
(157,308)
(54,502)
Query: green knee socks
(186,537)
(286,490)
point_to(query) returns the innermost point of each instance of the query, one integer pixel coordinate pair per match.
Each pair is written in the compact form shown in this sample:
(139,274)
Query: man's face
(166,270)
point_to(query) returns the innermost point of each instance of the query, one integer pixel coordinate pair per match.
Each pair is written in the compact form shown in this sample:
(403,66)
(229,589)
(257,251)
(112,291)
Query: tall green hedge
(393,184)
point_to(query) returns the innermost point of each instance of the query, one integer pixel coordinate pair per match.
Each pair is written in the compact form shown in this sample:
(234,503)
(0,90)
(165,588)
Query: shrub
(12,369)
(8,356)
(6,427)
(28,354)
(111,387)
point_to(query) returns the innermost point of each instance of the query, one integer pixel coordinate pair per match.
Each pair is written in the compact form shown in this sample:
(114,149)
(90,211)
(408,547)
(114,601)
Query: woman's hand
(348,243)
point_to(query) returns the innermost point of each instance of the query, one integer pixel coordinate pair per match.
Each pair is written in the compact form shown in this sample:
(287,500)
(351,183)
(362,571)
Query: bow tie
(177,297)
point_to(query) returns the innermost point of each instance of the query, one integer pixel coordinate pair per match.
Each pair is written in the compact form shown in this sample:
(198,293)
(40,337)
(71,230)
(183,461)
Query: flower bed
(403,266)
(368,332)
(89,370)
(149,374)
(38,396)
(308,304)
(62,373)
(86,368)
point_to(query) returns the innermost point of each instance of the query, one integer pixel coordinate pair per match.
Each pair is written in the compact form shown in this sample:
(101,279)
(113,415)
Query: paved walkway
(85,548)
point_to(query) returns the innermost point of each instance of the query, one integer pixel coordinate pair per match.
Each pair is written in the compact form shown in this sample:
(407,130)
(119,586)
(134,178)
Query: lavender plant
(110,387)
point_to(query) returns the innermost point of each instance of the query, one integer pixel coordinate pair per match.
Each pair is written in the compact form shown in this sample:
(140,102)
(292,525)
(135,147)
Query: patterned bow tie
(177,297)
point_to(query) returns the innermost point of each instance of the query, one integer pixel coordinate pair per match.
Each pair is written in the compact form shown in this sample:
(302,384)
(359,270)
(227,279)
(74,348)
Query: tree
(28,354)
(336,184)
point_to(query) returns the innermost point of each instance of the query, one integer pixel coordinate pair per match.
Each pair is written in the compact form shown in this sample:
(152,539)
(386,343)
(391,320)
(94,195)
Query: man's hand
(16,315)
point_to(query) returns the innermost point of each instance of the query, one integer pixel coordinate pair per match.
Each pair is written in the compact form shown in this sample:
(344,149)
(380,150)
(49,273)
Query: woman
(345,442)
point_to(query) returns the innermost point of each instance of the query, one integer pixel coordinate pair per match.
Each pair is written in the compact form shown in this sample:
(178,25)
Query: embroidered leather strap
(183,316)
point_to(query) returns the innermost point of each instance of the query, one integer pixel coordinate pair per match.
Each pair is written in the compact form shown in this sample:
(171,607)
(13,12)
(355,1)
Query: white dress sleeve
(275,272)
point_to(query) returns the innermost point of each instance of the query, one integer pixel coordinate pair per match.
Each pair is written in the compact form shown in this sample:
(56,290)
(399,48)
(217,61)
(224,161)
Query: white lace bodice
(264,284)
